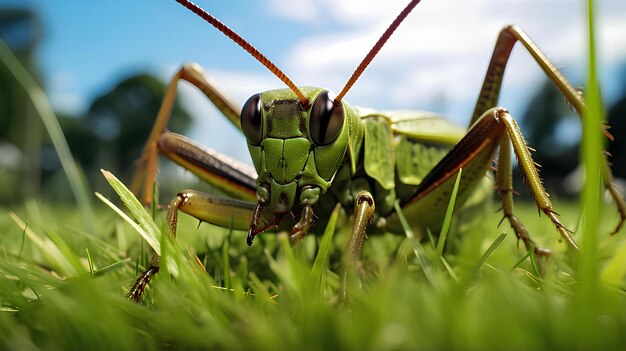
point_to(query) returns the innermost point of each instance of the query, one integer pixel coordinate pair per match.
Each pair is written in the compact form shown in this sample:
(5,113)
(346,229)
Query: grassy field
(64,282)
(65,271)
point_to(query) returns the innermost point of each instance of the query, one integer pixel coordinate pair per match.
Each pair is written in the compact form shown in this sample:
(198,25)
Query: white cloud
(435,60)
(70,103)
(612,32)
(302,11)
(64,96)
(443,48)
(345,12)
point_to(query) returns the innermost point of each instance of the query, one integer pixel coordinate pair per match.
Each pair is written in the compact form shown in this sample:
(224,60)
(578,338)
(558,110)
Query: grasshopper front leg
(221,211)
(229,175)
(364,209)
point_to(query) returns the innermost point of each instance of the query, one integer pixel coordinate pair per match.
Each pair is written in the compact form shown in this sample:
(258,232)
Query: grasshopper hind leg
(490,92)
(474,153)
(514,138)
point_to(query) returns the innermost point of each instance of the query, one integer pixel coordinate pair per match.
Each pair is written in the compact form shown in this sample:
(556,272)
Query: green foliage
(118,124)
(63,288)
(146,226)
(44,110)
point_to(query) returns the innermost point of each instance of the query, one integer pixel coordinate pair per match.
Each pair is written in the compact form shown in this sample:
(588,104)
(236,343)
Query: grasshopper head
(296,150)
(296,146)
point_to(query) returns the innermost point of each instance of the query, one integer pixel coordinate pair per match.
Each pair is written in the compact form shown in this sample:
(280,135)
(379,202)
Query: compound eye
(326,119)
(252,120)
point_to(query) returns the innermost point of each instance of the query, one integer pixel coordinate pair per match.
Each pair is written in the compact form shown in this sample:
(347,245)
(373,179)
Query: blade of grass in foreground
(321,261)
(591,158)
(130,221)
(488,253)
(448,218)
(73,173)
(589,294)
(427,268)
(57,254)
(147,228)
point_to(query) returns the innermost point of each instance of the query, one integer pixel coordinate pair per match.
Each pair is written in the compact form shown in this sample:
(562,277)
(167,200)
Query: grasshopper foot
(301,228)
(142,282)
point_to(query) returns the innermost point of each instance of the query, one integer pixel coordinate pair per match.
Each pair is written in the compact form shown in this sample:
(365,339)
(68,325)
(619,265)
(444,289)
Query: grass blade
(448,218)
(112,267)
(492,248)
(39,100)
(591,156)
(321,261)
(156,246)
(150,232)
(418,250)
(91,270)
(449,269)
(55,253)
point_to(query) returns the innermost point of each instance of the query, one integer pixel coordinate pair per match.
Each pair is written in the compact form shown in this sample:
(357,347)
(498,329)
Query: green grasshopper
(311,151)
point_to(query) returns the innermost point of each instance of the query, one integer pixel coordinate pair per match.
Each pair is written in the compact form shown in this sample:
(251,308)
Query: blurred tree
(117,126)
(20,127)
(552,128)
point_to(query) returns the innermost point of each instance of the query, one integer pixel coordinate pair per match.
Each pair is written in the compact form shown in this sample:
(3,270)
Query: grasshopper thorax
(296,151)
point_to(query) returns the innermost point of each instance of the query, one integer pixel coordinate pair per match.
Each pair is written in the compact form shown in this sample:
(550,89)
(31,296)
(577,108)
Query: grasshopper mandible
(312,150)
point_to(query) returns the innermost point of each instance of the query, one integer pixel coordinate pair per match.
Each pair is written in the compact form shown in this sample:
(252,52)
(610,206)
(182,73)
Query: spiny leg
(227,174)
(142,281)
(504,181)
(364,209)
(504,185)
(220,211)
(147,164)
(490,92)
(474,154)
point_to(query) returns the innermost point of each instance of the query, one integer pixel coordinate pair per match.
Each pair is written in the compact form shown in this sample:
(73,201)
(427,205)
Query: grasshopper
(311,150)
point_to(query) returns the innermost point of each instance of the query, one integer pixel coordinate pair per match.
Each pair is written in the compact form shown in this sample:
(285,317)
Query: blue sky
(436,60)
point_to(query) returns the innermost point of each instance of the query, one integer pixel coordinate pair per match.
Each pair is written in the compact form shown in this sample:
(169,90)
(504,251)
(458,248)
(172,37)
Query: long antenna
(375,49)
(246,46)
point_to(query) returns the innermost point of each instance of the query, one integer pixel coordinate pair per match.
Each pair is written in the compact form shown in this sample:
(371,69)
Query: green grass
(42,106)
(64,287)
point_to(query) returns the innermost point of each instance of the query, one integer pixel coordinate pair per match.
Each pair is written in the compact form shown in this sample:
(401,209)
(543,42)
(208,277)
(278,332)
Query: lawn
(65,272)
(64,286)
